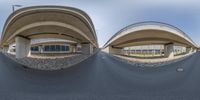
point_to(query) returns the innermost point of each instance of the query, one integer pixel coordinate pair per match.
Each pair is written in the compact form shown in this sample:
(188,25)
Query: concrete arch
(83,17)
(146,33)
(46,24)
(36,19)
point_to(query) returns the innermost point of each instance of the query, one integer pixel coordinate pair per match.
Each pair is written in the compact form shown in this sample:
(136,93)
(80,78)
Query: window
(63,48)
(56,48)
(35,48)
(52,48)
(46,48)
(66,48)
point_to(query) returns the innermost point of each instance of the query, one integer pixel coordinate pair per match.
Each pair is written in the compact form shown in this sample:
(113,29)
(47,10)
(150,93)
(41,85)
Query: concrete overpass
(150,33)
(48,22)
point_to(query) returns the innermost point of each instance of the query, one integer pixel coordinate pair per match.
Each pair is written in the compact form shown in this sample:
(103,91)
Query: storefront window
(56,48)
(35,48)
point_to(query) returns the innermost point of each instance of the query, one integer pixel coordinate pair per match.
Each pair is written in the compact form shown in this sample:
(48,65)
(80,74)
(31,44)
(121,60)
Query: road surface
(101,77)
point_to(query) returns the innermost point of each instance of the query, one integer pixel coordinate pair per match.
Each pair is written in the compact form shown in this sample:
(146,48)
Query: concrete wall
(22,47)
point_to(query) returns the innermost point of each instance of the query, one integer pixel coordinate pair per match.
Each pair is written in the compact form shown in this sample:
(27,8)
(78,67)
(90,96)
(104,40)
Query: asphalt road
(101,77)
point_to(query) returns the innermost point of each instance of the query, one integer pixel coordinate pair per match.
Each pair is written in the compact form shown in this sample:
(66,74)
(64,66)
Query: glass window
(46,48)
(35,48)
(32,48)
(66,48)
(63,48)
(57,48)
(52,48)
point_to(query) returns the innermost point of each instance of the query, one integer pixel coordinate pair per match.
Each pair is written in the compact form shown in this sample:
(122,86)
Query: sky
(110,16)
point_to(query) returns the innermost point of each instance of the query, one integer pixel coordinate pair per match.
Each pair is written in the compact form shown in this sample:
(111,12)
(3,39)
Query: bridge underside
(48,22)
(149,37)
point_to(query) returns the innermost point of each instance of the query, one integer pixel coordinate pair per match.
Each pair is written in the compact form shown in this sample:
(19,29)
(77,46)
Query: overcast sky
(109,16)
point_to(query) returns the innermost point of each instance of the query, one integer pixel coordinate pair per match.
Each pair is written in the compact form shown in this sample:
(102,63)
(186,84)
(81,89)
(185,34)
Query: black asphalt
(101,77)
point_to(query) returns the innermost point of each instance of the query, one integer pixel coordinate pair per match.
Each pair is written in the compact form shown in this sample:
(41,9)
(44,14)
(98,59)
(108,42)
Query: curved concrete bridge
(150,33)
(48,22)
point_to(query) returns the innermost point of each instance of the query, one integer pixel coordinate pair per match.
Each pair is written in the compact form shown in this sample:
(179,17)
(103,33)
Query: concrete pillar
(94,49)
(169,50)
(22,47)
(87,48)
(188,50)
(9,49)
(194,50)
(41,48)
(72,48)
(114,50)
(5,49)
(78,48)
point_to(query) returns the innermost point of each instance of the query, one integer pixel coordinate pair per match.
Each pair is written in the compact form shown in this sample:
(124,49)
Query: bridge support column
(86,48)
(113,50)
(188,50)
(94,49)
(73,48)
(41,48)
(194,50)
(5,49)
(22,47)
(169,50)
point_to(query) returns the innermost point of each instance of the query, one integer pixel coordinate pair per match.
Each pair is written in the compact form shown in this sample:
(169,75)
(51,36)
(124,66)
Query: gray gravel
(146,64)
(49,63)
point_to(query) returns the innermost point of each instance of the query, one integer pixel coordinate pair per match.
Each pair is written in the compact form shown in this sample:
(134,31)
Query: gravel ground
(148,62)
(49,63)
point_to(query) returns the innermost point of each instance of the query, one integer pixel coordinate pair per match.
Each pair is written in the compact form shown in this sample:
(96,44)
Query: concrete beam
(22,47)
(169,50)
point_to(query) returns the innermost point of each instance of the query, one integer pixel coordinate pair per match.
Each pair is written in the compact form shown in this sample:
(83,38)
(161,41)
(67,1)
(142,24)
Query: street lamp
(13,7)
